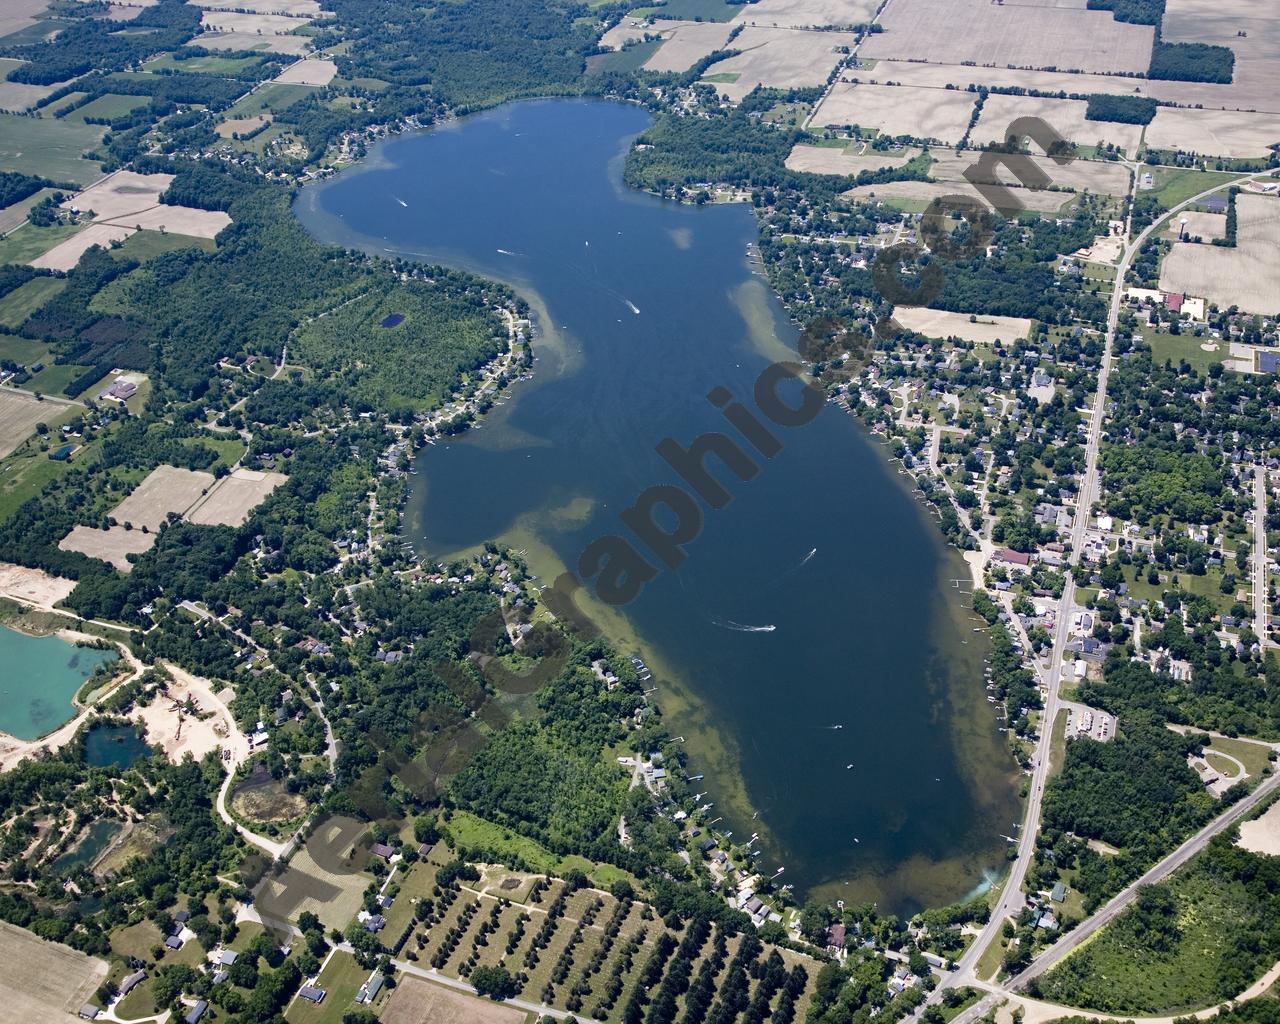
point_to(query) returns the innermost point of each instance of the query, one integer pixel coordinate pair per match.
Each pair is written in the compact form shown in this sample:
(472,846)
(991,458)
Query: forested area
(1150,479)
(90,43)
(1121,109)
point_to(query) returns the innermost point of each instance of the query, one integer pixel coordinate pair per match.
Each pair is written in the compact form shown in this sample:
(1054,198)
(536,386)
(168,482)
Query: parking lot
(1086,721)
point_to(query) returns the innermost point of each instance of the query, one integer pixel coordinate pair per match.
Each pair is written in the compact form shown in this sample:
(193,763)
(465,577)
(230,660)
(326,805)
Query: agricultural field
(244,23)
(808,13)
(1094,176)
(112,545)
(271,97)
(1066,117)
(146,245)
(416,1001)
(686,43)
(921,193)
(977,31)
(44,982)
(54,149)
(1231,134)
(27,298)
(238,42)
(1207,226)
(294,8)
(898,110)
(780,58)
(327,874)
(205,65)
(17,97)
(66,254)
(845,159)
(1244,276)
(108,106)
(234,497)
(19,415)
(308,72)
(982,330)
(166,489)
(242,125)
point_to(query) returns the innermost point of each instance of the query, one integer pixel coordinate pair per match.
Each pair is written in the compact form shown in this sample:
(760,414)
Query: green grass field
(1255,757)
(29,241)
(145,245)
(38,145)
(1176,185)
(341,979)
(624,60)
(274,98)
(26,299)
(690,10)
(207,65)
(108,106)
(1179,348)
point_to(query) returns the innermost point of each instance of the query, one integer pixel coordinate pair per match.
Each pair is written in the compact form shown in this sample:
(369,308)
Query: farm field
(296,8)
(1244,276)
(166,489)
(204,65)
(238,42)
(780,58)
(416,1001)
(270,97)
(845,159)
(956,31)
(924,192)
(54,149)
(982,330)
(251,24)
(898,110)
(19,415)
(308,72)
(1066,117)
(688,43)
(234,497)
(1095,176)
(66,254)
(808,13)
(242,125)
(18,97)
(43,982)
(690,10)
(121,194)
(13,215)
(107,106)
(1226,133)
(146,244)
(112,545)
(325,873)
(27,298)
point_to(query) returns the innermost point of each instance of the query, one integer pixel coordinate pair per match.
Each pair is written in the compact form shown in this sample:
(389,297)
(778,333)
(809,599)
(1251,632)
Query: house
(89,1012)
(385,903)
(173,942)
(374,923)
(197,1012)
(835,938)
(130,981)
(182,916)
(424,851)
(1014,557)
(1059,893)
(225,957)
(312,994)
(382,850)
(220,976)
(370,989)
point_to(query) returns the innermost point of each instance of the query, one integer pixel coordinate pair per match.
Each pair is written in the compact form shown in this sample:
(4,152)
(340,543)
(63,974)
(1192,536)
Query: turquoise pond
(38,679)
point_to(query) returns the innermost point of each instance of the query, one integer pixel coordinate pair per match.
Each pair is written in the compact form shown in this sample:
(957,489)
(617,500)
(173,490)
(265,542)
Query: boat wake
(400,201)
(805,560)
(740,628)
(632,306)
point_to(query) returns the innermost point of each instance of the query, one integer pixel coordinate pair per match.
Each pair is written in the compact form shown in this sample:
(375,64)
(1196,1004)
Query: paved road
(1260,551)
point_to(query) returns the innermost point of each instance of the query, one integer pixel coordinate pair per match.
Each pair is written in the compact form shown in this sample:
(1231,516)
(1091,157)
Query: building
(370,989)
(312,994)
(197,1011)
(130,981)
(1059,893)
(225,957)
(89,1012)
(382,850)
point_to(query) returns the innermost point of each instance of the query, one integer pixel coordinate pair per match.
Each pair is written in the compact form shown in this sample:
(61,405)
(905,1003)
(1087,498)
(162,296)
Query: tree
(495,982)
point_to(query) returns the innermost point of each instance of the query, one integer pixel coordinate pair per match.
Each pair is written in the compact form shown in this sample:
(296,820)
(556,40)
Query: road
(1260,551)
(1011,896)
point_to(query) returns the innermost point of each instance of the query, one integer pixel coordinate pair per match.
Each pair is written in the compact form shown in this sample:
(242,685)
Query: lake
(114,746)
(41,675)
(813,650)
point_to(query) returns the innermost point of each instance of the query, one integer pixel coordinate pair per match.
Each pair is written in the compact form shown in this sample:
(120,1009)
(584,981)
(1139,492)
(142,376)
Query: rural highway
(1011,896)
(1260,551)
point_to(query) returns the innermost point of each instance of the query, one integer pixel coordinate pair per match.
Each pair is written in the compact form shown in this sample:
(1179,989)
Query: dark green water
(97,839)
(117,746)
(38,677)
(869,633)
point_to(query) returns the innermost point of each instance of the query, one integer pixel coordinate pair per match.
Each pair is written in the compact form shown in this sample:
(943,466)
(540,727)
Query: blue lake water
(643,308)
(38,678)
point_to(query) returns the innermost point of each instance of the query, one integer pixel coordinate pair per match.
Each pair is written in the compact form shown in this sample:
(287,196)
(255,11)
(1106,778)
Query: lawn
(66,103)
(25,473)
(230,449)
(1058,743)
(55,149)
(108,106)
(1176,185)
(1256,757)
(1179,348)
(26,299)
(341,979)
(29,241)
(54,378)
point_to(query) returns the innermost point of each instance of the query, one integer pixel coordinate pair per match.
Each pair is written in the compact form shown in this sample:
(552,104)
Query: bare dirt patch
(43,982)
(687,42)
(780,58)
(234,497)
(1244,276)
(16,15)
(941,114)
(177,731)
(308,72)
(1227,133)
(828,160)
(112,545)
(166,489)
(1066,117)
(415,1001)
(19,415)
(177,220)
(956,31)
(1262,835)
(66,254)
(33,587)
(262,800)
(981,330)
